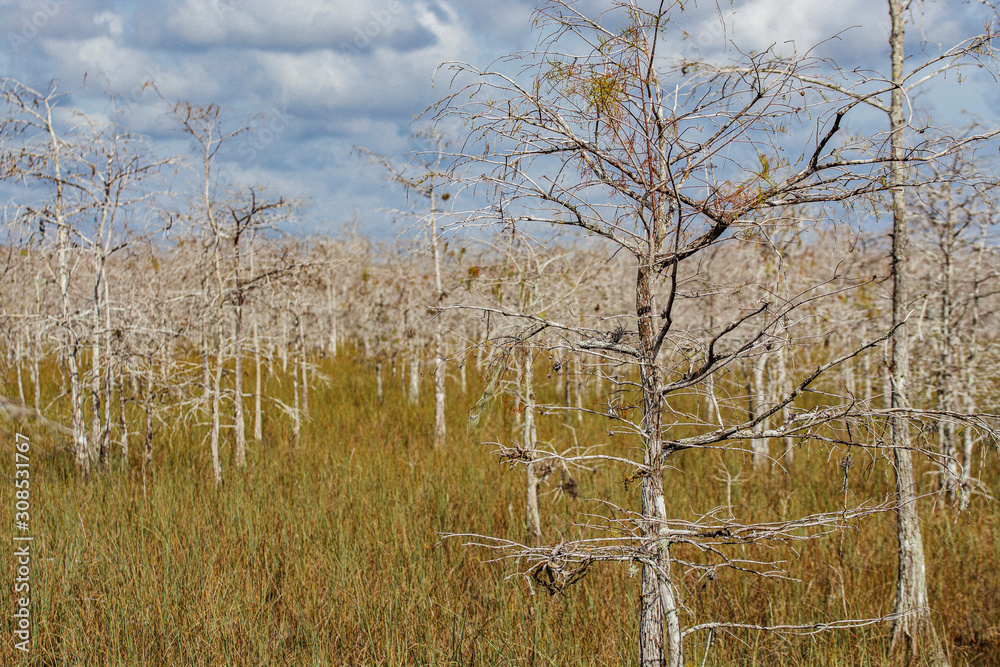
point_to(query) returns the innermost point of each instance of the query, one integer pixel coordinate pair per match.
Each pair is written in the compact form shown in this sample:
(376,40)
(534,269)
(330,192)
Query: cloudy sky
(322,76)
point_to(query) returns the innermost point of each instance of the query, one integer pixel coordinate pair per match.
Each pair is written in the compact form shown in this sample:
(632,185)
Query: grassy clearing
(329,554)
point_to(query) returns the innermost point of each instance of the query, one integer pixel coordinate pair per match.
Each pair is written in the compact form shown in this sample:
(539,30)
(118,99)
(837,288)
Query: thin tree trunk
(439,395)
(206,355)
(70,351)
(258,417)
(217,409)
(913,635)
(18,356)
(109,370)
(304,369)
(297,406)
(439,364)
(148,451)
(283,346)
(238,422)
(866,366)
(533,532)
(35,375)
(659,628)
(414,369)
(95,381)
(759,446)
(946,391)
(122,423)
(578,390)
(788,442)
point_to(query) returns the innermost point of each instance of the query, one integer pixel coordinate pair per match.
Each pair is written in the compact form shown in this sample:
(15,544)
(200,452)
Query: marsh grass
(329,553)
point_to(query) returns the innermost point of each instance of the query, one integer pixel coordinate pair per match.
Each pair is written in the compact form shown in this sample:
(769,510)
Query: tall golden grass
(329,553)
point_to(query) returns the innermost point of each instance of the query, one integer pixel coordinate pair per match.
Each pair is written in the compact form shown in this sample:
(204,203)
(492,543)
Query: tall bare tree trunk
(303,368)
(122,419)
(148,452)
(217,407)
(414,364)
(757,395)
(18,357)
(913,635)
(578,389)
(70,344)
(37,347)
(969,375)
(206,352)
(659,624)
(788,442)
(866,366)
(110,373)
(283,345)
(533,524)
(70,351)
(238,421)
(439,365)
(95,381)
(296,405)
(258,417)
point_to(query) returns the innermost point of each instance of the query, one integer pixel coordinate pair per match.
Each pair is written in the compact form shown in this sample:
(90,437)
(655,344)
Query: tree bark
(534,523)
(913,635)
(217,408)
(296,404)
(414,364)
(788,442)
(758,393)
(657,604)
(439,364)
(239,424)
(258,417)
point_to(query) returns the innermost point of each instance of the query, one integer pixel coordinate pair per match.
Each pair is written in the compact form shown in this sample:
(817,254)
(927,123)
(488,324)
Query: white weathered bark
(258,417)
(18,358)
(913,634)
(69,347)
(148,450)
(757,396)
(303,368)
(296,403)
(217,408)
(239,424)
(659,628)
(782,389)
(414,363)
(533,530)
(439,362)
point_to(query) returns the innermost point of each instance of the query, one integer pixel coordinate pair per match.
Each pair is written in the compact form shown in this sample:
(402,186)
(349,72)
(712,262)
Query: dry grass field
(329,553)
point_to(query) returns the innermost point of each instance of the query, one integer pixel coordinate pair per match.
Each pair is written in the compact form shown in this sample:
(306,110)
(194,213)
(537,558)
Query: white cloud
(292,25)
(112,20)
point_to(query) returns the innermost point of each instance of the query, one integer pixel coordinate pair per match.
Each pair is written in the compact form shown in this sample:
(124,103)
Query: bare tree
(664,160)
(426,184)
(952,219)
